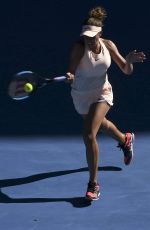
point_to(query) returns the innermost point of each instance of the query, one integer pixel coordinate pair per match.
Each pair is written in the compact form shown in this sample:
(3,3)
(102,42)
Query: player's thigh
(94,118)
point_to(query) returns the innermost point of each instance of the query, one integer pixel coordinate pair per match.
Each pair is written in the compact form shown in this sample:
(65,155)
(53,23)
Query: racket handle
(47,81)
(60,78)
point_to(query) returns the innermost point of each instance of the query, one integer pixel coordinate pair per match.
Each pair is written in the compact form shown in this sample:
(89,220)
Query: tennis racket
(16,87)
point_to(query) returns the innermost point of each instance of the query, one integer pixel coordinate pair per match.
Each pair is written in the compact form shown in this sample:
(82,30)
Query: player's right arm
(77,53)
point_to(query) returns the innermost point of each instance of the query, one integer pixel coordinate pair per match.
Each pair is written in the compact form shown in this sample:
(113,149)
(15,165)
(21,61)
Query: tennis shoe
(93,191)
(127,148)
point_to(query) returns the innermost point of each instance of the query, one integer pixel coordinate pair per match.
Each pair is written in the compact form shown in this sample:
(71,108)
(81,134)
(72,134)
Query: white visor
(90,31)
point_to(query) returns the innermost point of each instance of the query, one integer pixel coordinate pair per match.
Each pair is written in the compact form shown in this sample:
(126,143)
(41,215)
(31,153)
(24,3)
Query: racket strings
(19,90)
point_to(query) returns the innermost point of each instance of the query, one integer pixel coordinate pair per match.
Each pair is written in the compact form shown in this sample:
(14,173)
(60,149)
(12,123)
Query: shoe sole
(92,199)
(132,141)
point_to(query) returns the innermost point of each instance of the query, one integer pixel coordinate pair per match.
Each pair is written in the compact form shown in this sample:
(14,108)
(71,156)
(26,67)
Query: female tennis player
(92,93)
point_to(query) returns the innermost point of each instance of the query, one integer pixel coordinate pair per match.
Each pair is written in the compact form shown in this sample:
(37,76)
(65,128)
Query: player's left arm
(125,64)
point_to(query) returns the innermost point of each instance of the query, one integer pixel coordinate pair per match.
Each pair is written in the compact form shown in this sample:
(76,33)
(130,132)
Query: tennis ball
(28,87)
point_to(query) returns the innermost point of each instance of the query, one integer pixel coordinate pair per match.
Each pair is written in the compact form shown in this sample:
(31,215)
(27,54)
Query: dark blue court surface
(43,182)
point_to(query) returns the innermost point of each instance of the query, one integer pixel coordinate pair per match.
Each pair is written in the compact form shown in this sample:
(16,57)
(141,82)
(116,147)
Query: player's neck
(97,48)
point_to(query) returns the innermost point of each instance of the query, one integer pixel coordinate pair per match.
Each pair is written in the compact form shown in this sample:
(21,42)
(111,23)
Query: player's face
(92,42)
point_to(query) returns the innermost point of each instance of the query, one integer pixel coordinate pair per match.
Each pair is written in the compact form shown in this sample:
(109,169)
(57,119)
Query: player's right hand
(69,77)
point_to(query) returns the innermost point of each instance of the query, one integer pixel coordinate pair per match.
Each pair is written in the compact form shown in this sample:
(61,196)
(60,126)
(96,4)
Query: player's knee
(105,125)
(89,137)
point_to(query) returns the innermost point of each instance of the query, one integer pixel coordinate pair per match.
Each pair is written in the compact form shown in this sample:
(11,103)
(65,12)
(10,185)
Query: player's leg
(125,140)
(92,123)
(110,129)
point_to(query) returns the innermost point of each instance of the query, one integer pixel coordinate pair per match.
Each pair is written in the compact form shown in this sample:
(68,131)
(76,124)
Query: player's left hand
(135,56)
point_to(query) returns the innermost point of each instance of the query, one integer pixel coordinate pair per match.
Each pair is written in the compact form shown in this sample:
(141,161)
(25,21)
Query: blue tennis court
(43,183)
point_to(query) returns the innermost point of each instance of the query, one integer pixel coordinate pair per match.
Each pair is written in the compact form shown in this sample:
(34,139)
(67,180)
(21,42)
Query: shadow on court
(77,202)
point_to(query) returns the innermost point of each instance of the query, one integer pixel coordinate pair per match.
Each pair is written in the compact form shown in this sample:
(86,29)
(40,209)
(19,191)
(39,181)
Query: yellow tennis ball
(28,87)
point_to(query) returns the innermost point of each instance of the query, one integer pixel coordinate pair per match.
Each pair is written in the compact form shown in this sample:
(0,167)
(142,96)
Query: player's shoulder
(78,47)
(110,45)
(79,44)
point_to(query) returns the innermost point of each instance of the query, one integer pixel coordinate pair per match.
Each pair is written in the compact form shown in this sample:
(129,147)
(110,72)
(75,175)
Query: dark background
(38,35)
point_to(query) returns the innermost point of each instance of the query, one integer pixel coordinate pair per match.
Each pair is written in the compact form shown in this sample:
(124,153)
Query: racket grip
(60,78)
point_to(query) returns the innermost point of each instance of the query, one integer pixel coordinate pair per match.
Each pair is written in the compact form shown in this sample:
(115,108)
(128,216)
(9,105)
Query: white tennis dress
(91,83)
